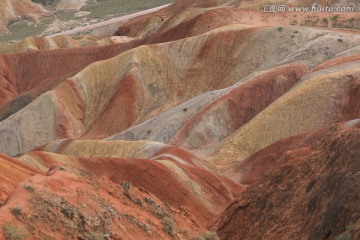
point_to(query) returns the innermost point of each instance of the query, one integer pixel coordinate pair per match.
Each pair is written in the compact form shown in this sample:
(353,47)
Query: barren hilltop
(201,120)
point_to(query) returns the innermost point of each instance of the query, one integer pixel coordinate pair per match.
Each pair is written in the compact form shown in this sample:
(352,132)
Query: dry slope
(207,111)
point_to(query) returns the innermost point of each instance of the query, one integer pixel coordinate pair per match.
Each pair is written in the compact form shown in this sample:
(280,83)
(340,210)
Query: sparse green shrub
(344,236)
(325,21)
(65,15)
(280,29)
(184,232)
(207,236)
(16,211)
(12,232)
(15,105)
(347,235)
(168,226)
(44,2)
(340,40)
(96,236)
(29,188)
(126,185)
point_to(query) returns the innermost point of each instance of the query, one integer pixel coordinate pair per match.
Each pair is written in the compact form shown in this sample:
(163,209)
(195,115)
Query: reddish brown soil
(243,106)
(130,198)
(200,24)
(128,100)
(43,70)
(12,171)
(313,193)
(265,161)
(157,179)
(336,62)
(303,186)
(349,106)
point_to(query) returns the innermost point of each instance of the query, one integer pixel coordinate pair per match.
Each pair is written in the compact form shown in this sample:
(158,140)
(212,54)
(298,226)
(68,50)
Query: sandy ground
(114,20)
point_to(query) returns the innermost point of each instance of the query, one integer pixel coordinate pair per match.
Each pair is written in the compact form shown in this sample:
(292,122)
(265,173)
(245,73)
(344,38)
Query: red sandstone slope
(239,105)
(41,67)
(263,162)
(212,111)
(312,193)
(12,171)
(127,198)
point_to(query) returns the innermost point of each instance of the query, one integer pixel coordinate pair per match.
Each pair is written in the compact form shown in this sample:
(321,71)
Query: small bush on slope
(16,211)
(169,226)
(12,232)
(207,236)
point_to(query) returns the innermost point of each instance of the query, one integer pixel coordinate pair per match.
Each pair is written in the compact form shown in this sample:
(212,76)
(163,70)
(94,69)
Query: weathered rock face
(313,193)
(207,111)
